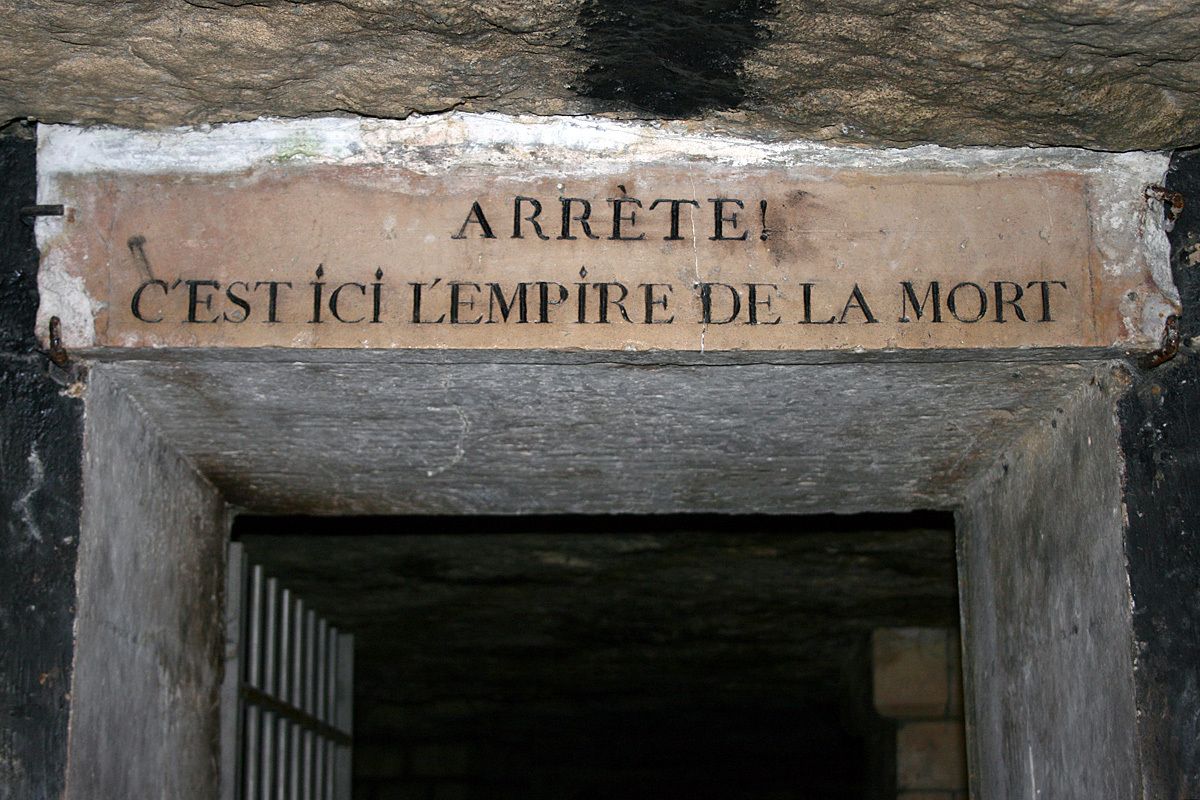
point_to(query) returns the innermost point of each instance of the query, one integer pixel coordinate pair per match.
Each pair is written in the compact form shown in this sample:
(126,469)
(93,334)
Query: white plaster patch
(431,144)
(22,507)
(1130,234)
(63,295)
(1123,214)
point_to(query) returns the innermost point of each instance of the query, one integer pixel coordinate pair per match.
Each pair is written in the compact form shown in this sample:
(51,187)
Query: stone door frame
(1024,445)
(177,444)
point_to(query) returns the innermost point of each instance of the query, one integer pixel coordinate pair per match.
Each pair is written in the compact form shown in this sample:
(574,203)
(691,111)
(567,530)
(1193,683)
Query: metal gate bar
(288,694)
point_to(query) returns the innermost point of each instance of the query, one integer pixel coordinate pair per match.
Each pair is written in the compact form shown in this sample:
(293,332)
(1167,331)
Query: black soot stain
(673,58)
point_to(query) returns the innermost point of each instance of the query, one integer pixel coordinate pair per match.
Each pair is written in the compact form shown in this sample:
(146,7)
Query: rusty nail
(58,353)
(1170,346)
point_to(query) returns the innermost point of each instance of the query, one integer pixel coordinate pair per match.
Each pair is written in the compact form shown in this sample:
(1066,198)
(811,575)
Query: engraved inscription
(692,260)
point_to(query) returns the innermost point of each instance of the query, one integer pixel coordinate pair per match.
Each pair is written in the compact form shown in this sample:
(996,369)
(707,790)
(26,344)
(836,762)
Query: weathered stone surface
(1045,600)
(1094,73)
(484,233)
(149,634)
(537,432)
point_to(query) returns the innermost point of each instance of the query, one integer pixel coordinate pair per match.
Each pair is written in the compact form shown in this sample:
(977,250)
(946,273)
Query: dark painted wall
(41,435)
(1160,421)
(673,58)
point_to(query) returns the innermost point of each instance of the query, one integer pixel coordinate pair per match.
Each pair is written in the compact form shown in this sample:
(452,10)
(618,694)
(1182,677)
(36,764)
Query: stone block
(442,257)
(931,755)
(916,672)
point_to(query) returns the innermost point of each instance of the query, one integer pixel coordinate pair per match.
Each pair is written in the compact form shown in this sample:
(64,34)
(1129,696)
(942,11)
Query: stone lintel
(485,232)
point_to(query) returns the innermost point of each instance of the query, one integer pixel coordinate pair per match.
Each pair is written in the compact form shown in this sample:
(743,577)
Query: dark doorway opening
(675,656)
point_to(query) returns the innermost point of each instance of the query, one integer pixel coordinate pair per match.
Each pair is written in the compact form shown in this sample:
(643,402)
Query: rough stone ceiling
(1105,74)
(471,615)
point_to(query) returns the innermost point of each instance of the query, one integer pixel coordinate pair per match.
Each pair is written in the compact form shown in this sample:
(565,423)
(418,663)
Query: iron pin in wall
(61,369)
(28,213)
(43,210)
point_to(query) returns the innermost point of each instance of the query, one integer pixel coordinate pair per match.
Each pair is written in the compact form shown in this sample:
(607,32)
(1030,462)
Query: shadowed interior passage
(696,656)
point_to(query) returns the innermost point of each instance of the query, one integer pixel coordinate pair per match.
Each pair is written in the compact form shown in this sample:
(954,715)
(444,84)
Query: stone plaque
(335,240)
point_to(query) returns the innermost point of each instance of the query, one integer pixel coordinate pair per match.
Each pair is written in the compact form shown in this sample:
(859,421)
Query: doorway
(1024,453)
(664,657)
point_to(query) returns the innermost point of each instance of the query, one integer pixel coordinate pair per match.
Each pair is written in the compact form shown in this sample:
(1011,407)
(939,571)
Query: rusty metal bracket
(1172,203)
(1169,347)
(57,353)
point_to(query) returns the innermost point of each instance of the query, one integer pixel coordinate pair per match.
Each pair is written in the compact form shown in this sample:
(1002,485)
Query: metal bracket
(1169,348)
(57,353)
